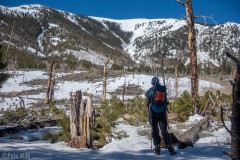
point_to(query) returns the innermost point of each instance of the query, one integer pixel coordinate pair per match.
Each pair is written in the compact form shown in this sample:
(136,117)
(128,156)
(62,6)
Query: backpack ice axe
(163,74)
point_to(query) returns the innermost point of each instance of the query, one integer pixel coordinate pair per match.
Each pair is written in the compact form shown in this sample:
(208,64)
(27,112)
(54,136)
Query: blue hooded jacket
(156,87)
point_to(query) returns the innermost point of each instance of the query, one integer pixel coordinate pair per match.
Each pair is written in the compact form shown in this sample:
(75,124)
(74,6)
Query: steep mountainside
(169,36)
(43,31)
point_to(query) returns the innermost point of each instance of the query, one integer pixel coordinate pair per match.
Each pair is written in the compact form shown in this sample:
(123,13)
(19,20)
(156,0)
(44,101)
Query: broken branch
(206,17)
(181,2)
(232,57)
(224,125)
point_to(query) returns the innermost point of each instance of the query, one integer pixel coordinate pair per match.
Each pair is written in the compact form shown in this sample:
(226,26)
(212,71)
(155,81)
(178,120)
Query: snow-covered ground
(132,147)
(14,84)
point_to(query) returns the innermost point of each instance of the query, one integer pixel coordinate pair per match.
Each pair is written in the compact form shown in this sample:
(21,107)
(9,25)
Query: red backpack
(159,97)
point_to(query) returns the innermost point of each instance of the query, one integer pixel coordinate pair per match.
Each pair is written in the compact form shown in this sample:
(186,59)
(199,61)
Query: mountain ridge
(124,42)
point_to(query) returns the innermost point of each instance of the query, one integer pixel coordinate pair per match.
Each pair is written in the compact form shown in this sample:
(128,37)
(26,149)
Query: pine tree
(3,76)
(182,106)
(2,65)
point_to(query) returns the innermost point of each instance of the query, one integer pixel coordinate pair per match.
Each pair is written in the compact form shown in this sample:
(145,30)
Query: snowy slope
(147,35)
(143,27)
(147,32)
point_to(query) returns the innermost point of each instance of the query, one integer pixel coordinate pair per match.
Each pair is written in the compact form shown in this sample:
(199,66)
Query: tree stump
(80,121)
(77,142)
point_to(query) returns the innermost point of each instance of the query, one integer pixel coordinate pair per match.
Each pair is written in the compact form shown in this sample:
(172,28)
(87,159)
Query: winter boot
(157,150)
(171,151)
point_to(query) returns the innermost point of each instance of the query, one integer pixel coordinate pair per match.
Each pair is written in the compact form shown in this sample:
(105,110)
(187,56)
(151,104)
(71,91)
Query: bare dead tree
(22,104)
(205,18)
(176,80)
(124,89)
(5,59)
(205,108)
(50,83)
(193,54)
(105,80)
(224,125)
(235,118)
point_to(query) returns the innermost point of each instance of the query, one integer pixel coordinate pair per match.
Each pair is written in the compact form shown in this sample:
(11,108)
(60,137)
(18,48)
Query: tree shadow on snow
(45,151)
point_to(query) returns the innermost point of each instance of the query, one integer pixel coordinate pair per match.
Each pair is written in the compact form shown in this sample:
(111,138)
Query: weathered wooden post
(89,118)
(81,121)
(81,118)
(73,116)
(77,124)
(78,100)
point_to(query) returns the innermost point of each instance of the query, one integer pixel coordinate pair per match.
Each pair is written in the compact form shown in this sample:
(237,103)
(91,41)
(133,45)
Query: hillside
(45,31)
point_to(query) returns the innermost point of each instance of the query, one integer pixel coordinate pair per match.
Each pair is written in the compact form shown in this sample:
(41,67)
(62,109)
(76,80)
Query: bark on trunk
(89,119)
(105,81)
(193,55)
(49,83)
(176,80)
(52,84)
(189,137)
(235,118)
(80,121)
(235,127)
(205,108)
(81,118)
(123,93)
(73,117)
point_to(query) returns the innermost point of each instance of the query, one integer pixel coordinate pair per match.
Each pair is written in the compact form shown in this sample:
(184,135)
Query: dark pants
(161,120)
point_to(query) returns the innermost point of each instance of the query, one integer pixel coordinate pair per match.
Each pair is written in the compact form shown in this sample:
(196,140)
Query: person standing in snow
(156,102)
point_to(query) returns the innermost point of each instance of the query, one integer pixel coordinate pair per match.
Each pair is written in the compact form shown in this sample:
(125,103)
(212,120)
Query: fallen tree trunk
(33,125)
(189,137)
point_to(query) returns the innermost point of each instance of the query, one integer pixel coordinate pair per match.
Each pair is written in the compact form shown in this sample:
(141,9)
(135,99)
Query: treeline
(21,59)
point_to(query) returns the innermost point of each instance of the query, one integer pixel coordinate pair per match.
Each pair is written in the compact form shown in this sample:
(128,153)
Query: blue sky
(221,10)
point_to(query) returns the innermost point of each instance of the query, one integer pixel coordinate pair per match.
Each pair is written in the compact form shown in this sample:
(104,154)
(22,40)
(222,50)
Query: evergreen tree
(2,65)
(3,76)
(182,106)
